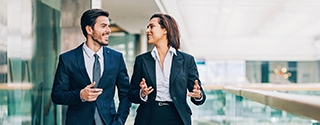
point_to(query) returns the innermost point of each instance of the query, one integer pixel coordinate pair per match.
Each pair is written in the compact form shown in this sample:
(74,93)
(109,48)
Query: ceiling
(130,15)
(232,29)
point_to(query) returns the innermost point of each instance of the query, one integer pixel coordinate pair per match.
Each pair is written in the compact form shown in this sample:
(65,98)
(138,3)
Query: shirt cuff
(143,99)
(199,99)
(82,100)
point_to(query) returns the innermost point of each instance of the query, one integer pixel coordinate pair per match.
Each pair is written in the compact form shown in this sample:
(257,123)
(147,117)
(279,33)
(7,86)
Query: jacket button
(174,98)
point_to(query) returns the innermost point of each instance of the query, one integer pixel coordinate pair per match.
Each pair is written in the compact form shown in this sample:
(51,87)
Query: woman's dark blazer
(183,74)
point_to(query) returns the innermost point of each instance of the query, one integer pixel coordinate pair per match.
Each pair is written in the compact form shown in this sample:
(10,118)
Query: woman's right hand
(145,90)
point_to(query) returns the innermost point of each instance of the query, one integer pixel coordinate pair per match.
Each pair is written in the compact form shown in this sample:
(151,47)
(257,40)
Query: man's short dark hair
(89,17)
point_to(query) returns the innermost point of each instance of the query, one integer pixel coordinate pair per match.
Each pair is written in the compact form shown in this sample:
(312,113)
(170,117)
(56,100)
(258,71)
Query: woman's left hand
(196,93)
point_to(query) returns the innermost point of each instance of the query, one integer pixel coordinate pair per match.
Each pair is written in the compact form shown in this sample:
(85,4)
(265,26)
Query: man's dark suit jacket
(71,76)
(183,73)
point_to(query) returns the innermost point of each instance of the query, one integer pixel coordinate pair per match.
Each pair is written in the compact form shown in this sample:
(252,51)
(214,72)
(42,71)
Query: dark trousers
(165,114)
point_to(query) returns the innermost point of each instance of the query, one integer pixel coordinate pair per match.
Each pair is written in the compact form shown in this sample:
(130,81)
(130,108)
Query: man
(86,77)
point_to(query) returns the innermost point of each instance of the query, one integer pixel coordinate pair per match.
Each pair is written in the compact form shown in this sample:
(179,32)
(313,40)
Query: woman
(161,77)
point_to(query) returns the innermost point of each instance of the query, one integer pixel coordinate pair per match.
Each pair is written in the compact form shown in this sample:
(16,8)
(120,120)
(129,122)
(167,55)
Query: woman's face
(154,32)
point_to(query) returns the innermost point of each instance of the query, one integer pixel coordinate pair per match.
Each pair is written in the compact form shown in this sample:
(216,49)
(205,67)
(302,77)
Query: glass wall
(3,42)
(282,72)
(29,45)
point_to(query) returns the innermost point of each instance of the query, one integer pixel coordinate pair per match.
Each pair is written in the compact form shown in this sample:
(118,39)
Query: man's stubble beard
(97,41)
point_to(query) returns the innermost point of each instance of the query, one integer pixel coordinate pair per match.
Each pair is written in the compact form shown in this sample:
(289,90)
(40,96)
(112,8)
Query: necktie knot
(96,56)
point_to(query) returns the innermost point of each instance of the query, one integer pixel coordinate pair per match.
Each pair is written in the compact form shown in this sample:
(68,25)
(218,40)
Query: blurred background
(235,43)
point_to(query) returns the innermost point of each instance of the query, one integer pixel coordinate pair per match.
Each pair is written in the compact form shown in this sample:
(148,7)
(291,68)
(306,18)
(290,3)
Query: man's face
(101,30)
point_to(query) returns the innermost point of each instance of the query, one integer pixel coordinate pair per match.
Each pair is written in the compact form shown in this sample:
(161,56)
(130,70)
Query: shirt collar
(90,53)
(154,52)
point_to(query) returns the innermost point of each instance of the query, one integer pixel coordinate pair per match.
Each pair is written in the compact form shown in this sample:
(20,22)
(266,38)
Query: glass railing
(272,104)
(16,106)
(225,105)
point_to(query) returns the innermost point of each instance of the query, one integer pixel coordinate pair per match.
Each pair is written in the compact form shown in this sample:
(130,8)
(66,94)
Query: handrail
(15,86)
(268,86)
(302,105)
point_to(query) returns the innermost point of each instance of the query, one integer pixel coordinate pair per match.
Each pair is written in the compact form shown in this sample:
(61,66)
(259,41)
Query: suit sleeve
(134,93)
(194,75)
(123,89)
(60,93)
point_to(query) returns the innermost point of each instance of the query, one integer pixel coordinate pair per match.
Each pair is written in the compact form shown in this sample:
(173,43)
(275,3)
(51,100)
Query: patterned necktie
(96,78)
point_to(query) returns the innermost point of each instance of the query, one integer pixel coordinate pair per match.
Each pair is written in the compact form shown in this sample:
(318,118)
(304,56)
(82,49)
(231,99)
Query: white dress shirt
(89,59)
(162,76)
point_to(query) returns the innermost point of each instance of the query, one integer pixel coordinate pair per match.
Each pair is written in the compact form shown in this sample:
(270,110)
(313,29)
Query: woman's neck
(162,49)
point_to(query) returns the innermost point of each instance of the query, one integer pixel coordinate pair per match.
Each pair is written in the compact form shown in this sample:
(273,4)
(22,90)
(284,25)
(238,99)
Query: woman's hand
(145,90)
(196,93)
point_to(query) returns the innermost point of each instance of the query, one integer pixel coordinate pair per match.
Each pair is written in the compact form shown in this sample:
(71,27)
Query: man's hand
(145,90)
(89,93)
(196,93)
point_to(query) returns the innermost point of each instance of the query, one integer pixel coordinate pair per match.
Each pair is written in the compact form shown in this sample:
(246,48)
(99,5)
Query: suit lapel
(149,62)
(107,65)
(81,65)
(177,62)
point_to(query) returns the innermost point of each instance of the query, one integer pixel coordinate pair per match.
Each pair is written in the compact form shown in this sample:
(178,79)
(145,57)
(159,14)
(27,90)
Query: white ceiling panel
(207,23)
